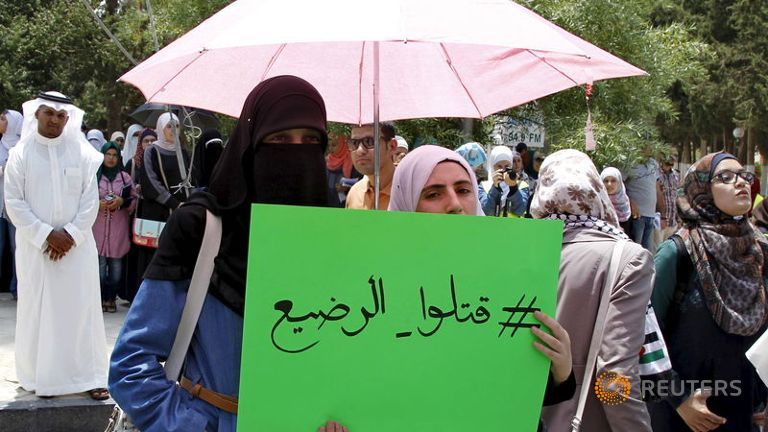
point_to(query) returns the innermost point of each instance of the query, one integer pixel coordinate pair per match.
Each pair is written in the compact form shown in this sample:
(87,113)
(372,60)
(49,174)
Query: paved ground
(22,410)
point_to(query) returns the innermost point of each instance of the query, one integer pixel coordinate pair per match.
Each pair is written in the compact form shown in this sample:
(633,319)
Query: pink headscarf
(413,172)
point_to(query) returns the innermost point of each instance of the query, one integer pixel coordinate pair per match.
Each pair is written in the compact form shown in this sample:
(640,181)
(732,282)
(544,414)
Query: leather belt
(220,401)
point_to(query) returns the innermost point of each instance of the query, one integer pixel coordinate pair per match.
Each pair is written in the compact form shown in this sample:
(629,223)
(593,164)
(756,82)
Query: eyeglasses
(354,143)
(730,177)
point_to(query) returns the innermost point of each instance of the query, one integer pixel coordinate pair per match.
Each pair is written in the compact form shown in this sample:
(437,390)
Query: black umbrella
(148,113)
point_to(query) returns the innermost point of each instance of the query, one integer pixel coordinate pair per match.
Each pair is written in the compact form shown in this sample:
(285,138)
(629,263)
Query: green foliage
(625,110)
(57,45)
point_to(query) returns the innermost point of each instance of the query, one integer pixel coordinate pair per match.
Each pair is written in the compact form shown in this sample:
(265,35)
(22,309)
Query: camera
(511,173)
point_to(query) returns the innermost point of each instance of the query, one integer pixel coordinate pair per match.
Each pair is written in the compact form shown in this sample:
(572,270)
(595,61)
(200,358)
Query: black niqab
(207,153)
(247,172)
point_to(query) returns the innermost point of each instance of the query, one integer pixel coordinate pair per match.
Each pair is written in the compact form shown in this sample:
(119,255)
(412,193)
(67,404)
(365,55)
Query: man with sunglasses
(361,147)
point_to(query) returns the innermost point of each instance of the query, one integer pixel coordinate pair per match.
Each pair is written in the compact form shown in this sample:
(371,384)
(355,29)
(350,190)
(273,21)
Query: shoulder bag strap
(198,289)
(162,171)
(597,333)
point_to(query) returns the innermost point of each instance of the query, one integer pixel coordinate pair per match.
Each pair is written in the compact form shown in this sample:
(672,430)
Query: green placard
(394,321)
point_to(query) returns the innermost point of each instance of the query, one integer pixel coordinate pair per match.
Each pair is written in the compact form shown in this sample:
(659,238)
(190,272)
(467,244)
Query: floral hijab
(570,189)
(727,252)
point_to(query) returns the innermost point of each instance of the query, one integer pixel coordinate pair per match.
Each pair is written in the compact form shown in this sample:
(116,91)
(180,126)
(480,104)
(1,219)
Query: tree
(624,111)
(57,45)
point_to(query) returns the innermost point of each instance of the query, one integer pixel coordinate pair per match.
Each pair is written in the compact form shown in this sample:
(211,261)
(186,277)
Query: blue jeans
(642,231)
(111,274)
(7,230)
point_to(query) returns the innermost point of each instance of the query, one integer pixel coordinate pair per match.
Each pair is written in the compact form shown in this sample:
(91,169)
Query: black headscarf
(207,153)
(249,171)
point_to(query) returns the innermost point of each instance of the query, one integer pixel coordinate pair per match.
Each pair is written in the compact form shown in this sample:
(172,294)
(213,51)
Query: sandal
(111,306)
(99,394)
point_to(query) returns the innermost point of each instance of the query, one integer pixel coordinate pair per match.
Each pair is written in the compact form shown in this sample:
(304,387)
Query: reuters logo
(612,388)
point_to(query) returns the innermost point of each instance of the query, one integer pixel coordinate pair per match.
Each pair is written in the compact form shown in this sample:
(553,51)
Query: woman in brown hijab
(710,298)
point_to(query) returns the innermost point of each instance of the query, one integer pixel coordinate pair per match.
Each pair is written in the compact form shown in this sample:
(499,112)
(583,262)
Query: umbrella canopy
(148,113)
(437,58)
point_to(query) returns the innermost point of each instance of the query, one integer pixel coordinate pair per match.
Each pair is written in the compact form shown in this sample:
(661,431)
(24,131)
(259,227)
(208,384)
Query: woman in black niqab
(286,168)
(250,171)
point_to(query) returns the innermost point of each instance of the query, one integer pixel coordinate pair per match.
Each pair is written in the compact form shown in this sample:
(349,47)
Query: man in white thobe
(51,195)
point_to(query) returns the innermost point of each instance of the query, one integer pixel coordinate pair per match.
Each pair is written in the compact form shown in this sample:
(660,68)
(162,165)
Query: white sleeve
(80,227)
(26,221)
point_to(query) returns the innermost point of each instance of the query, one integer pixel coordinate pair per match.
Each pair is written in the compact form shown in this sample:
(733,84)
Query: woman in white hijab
(96,138)
(131,142)
(507,193)
(10,128)
(162,186)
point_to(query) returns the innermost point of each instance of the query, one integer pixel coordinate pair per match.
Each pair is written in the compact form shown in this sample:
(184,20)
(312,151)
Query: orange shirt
(360,196)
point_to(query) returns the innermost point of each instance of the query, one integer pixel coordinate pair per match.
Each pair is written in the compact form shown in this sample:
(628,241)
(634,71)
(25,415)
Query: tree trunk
(467,126)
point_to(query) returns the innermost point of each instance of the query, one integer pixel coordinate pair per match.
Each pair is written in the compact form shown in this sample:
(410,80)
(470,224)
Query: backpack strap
(684,269)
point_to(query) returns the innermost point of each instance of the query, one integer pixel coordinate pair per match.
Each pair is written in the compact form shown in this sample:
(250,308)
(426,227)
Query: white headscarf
(413,172)
(131,142)
(96,138)
(12,133)
(498,154)
(162,121)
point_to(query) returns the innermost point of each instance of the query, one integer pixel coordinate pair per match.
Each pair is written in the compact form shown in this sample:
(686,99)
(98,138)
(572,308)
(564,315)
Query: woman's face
(611,184)
(3,124)
(732,199)
(147,141)
(517,164)
(168,132)
(448,190)
(110,158)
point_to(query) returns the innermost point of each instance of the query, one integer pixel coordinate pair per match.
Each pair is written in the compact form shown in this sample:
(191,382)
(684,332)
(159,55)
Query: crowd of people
(690,259)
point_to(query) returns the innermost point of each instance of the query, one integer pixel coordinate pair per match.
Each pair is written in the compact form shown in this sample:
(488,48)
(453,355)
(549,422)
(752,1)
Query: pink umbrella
(376,60)
(438,58)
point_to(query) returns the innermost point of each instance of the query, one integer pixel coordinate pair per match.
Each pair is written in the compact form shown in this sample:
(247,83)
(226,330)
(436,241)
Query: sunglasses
(730,177)
(354,143)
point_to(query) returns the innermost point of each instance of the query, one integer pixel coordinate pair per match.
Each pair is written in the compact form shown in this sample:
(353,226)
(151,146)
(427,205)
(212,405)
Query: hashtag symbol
(513,311)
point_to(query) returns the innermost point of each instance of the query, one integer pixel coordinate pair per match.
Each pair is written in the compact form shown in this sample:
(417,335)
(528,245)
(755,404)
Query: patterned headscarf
(473,153)
(138,157)
(727,253)
(570,189)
